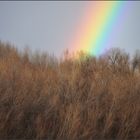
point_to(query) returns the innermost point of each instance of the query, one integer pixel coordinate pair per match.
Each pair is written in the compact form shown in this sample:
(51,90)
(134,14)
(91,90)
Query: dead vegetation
(42,97)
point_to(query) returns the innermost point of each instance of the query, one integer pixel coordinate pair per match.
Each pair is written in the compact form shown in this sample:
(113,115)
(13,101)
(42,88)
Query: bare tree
(118,60)
(136,61)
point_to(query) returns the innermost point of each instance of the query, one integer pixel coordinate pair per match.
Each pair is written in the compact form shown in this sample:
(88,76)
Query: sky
(50,26)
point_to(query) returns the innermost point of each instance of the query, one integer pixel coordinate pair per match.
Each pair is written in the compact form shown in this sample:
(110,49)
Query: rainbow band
(95,31)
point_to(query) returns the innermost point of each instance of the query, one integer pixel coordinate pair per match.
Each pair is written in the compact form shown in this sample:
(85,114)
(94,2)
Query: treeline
(82,98)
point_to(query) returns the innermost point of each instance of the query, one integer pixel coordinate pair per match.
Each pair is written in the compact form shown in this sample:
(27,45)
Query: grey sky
(49,26)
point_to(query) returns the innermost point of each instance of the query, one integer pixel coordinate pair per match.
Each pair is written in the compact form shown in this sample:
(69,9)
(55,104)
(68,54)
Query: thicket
(82,98)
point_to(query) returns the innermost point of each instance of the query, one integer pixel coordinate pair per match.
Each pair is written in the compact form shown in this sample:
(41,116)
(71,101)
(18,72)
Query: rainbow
(94,31)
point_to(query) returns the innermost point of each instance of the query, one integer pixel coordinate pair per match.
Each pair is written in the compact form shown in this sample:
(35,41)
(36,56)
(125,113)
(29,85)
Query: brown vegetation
(42,97)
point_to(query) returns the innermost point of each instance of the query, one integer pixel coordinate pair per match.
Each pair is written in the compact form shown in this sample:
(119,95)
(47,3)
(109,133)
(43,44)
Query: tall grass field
(69,98)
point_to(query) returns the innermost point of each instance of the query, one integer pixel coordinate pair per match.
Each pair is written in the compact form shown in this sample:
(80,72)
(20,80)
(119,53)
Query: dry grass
(42,97)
